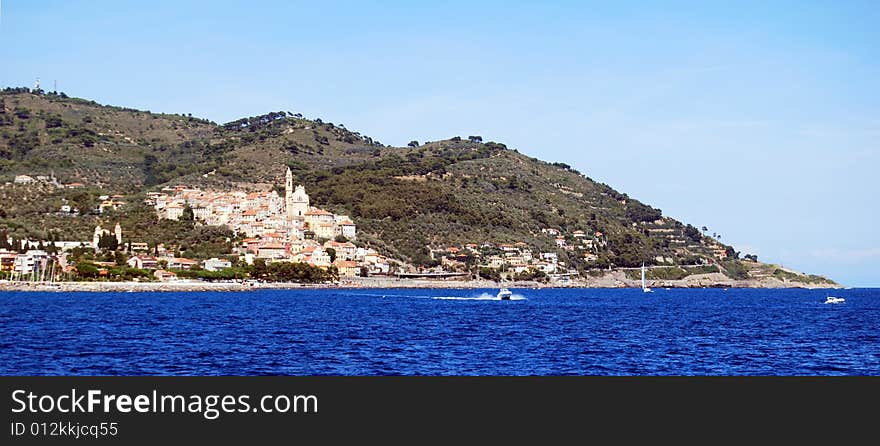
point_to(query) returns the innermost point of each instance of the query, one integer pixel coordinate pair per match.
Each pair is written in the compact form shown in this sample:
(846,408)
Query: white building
(296,201)
(31,261)
(215,264)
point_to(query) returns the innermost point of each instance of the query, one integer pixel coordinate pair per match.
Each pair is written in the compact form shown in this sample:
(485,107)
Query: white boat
(834,300)
(645,288)
(504,294)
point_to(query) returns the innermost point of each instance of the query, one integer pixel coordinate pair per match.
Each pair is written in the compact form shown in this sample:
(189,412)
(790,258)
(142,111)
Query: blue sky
(759,120)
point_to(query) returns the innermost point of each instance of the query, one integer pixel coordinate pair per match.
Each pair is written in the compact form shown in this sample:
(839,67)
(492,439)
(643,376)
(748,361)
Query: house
(549,256)
(347,268)
(173,211)
(31,261)
(324,230)
(316,216)
(7,260)
(23,179)
(496,262)
(143,262)
(272,251)
(318,257)
(347,229)
(164,276)
(181,263)
(215,264)
(139,246)
(344,251)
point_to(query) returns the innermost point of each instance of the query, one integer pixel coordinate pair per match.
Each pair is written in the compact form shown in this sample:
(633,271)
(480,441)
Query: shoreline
(610,281)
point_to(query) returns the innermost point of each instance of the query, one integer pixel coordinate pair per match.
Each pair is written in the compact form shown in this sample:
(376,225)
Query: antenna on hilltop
(55,85)
(37,84)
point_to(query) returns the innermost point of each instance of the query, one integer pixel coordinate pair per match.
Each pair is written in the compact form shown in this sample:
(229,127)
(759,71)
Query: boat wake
(484,296)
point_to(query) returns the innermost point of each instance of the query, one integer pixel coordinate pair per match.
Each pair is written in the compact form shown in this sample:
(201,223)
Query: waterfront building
(215,264)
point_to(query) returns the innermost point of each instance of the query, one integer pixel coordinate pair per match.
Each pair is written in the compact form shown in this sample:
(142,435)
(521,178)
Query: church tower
(96,237)
(118,232)
(296,201)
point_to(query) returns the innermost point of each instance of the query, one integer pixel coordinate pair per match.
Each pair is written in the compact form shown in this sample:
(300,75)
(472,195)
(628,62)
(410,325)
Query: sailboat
(645,288)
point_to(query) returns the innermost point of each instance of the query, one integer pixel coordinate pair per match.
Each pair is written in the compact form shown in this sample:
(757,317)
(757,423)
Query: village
(276,229)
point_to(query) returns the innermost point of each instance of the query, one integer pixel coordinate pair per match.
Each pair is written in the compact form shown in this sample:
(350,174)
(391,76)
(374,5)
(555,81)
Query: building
(344,251)
(33,261)
(215,264)
(272,251)
(316,217)
(347,268)
(296,201)
(319,257)
(173,211)
(164,276)
(139,247)
(24,179)
(143,262)
(181,263)
(7,260)
(347,229)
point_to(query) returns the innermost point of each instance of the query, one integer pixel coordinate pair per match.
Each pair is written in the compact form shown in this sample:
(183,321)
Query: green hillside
(405,200)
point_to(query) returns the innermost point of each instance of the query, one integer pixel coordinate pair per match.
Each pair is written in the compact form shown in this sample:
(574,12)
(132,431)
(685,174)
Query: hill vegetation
(405,200)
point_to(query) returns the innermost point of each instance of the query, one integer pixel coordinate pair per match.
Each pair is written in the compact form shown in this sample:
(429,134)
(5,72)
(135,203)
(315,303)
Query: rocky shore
(614,279)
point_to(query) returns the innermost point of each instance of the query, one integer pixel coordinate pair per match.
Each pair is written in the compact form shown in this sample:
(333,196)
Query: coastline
(611,280)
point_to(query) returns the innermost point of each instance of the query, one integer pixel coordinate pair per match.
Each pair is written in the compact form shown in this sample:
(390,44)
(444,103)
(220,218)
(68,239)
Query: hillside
(407,201)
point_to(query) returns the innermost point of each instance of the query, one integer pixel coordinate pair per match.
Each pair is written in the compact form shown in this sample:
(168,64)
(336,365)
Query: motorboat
(834,300)
(504,294)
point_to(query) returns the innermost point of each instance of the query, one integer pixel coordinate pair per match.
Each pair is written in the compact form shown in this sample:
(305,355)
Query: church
(296,201)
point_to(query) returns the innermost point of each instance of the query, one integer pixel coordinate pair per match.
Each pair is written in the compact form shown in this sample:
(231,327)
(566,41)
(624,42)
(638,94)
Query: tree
(731,253)
(413,143)
(188,214)
(475,138)
(692,233)
(108,242)
(332,253)
(490,273)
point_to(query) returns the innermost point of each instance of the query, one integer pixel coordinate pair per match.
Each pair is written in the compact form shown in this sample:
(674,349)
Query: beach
(613,279)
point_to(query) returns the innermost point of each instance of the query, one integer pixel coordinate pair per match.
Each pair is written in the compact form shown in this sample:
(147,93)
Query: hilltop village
(271,229)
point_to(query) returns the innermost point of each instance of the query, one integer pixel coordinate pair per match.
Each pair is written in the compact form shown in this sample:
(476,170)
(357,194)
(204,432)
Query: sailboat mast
(643,276)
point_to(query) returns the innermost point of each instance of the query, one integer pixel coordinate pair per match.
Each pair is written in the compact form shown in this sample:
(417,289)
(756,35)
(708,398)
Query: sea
(442,332)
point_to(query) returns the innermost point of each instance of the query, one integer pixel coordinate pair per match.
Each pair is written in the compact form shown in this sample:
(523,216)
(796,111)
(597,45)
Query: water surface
(441,332)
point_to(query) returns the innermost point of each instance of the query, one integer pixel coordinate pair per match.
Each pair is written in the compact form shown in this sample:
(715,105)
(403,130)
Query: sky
(759,120)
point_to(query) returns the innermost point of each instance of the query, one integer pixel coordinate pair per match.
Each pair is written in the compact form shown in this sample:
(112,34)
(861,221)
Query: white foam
(483,296)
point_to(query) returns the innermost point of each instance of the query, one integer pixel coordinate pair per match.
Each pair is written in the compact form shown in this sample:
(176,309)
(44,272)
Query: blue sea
(442,332)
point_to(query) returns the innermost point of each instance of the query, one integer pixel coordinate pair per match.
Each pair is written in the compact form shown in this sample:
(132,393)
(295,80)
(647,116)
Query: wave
(483,296)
